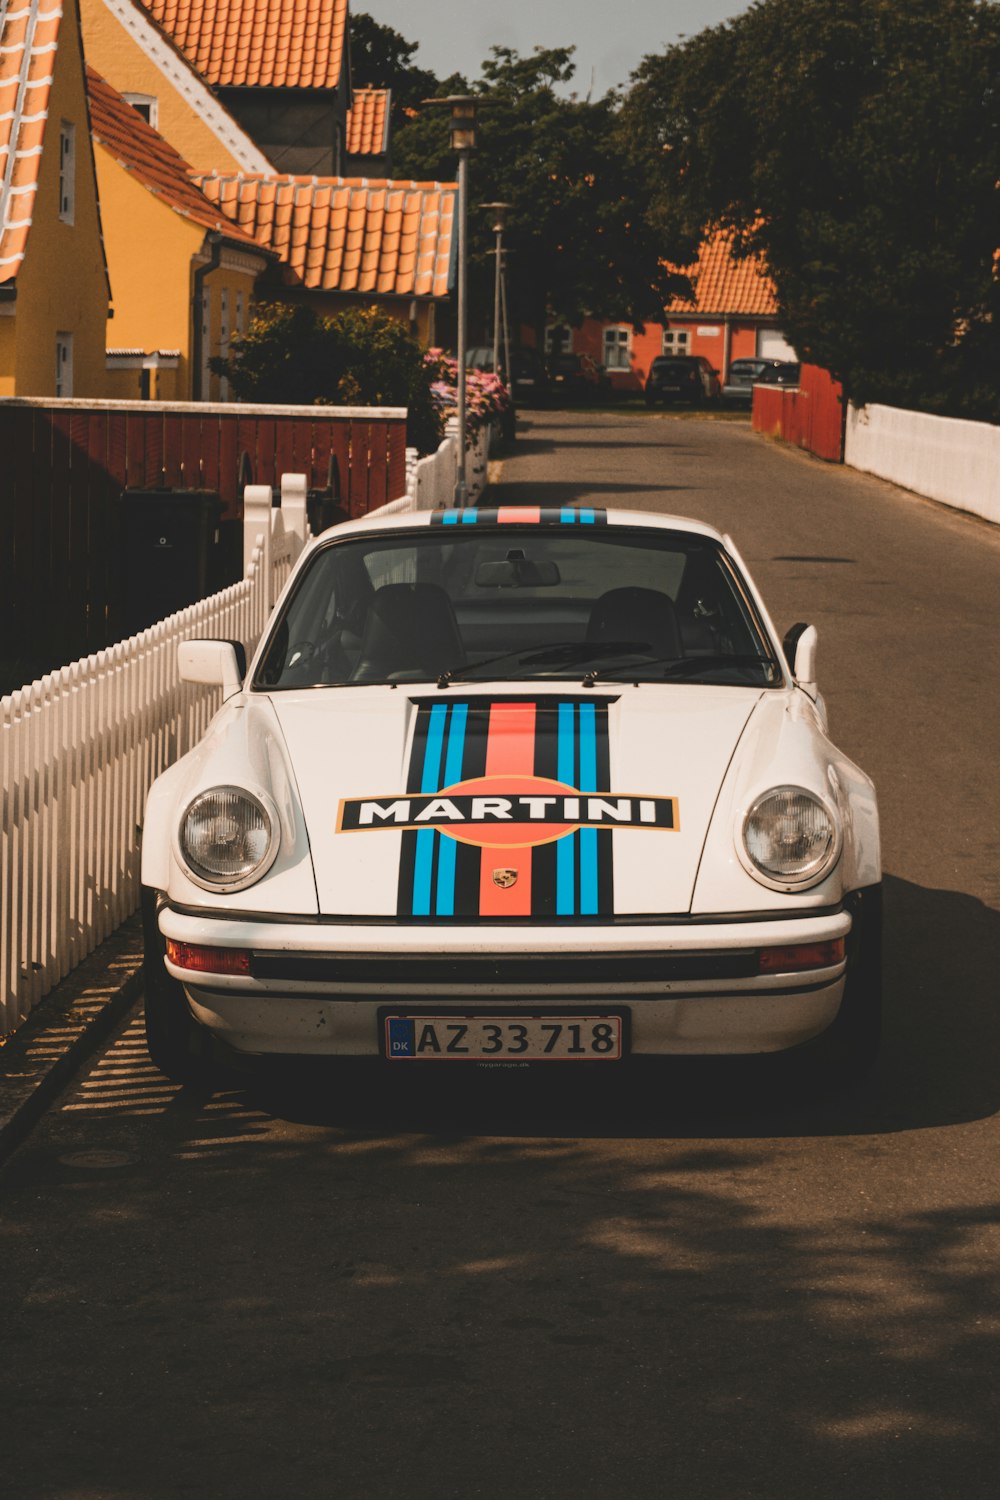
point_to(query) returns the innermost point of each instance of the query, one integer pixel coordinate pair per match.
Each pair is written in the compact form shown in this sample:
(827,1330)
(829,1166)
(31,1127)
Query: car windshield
(515,601)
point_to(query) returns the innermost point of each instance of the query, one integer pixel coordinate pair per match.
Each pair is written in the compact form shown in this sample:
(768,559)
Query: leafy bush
(358,357)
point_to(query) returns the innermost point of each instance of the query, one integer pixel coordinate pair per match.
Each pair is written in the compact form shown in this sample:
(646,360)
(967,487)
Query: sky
(611,36)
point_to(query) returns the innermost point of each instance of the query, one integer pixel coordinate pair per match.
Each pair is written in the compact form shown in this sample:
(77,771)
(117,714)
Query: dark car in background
(782,373)
(682,377)
(742,377)
(574,379)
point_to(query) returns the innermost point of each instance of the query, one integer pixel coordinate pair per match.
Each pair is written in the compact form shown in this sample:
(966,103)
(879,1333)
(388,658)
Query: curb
(43,1055)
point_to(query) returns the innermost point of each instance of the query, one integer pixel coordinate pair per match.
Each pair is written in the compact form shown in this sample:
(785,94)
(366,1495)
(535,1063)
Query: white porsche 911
(513,786)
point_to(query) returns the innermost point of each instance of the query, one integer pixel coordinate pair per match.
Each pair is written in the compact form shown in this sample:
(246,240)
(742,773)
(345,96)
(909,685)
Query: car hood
(542,803)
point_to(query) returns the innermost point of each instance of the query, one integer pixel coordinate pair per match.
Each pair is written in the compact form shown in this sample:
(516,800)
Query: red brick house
(732,314)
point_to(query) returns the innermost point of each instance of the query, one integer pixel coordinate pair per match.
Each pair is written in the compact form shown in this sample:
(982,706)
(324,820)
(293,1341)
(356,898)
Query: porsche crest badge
(505,879)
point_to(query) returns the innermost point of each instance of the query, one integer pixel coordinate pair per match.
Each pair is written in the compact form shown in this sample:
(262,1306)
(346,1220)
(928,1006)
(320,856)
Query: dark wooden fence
(64,465)
(810,415)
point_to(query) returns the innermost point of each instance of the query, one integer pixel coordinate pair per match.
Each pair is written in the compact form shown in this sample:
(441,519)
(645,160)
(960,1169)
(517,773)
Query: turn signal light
(208,960)
(802,956)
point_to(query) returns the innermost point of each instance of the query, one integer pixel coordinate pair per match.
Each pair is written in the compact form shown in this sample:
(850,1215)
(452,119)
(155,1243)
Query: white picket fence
(80,748)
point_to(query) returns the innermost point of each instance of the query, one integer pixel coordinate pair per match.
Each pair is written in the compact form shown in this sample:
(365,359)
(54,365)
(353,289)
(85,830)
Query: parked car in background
(575,379)
(742,377)
(528,380)
(682,377)
(783,373)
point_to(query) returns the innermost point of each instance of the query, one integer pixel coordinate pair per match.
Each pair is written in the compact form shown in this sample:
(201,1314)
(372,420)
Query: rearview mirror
(517,573)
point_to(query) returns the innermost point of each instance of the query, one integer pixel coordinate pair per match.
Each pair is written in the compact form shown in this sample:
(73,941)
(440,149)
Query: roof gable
(343,234)
(29,39)
(177,79)
(722,284)
(142,151)
(368,123)
(297,44)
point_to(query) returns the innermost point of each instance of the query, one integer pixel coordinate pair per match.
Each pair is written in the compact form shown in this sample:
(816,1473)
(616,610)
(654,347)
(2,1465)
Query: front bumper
(690,989)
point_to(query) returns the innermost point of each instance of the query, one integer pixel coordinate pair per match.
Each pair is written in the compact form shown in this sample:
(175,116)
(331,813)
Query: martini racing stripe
(542,870)
(525,515)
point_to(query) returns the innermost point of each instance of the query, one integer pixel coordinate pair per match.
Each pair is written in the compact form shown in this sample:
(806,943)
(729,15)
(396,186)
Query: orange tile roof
(722,284)
(344,234)
(293,44)
(141,150)
(368,123)
(29,37)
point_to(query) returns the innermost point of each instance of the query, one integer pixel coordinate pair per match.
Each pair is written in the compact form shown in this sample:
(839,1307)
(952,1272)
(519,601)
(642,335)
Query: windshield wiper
(690,666)
(554,653)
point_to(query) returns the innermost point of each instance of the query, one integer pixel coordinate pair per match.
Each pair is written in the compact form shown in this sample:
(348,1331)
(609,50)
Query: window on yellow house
(64,364)
(147,105)
(224,339)
(67,171)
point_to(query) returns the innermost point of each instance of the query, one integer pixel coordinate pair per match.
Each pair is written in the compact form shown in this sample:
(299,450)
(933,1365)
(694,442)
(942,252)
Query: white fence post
(257,505)
(293,506)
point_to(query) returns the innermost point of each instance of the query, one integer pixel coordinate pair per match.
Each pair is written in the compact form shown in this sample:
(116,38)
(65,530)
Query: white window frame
(206,345)
(676,341)
(224,339)
(616,346)
(67,171)
(64,365)
(148,106)
(565,345)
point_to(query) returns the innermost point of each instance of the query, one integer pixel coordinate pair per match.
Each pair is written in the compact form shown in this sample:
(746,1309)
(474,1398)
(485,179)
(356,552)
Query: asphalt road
(696,1286)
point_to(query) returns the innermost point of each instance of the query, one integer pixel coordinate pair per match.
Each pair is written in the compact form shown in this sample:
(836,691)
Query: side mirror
(799,647)
(216,663)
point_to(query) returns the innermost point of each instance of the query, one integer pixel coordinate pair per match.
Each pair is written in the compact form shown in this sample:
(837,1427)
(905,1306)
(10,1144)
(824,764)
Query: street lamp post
(463,141)
(499,212)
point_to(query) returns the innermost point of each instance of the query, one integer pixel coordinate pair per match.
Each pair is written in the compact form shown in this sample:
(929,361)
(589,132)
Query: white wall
(944,458)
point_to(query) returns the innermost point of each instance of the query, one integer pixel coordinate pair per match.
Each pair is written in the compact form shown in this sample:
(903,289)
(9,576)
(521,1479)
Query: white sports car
(513,786)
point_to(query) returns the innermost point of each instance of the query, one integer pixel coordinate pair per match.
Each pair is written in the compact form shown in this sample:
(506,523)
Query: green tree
(854,144)
(359,357)
(382,58)
(582,242)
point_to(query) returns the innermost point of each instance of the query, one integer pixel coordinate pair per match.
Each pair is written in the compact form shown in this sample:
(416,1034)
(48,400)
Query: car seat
(643,616)
(410,628)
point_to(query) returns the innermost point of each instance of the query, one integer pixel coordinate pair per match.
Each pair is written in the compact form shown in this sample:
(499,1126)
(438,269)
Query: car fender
(243,747)
(784,744)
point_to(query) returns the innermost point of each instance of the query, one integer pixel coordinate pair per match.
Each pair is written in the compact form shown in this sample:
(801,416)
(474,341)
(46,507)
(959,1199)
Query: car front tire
(847,1051)
(179,1047)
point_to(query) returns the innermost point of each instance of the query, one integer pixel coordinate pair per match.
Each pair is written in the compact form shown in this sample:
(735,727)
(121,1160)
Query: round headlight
(790,837)
(228,838)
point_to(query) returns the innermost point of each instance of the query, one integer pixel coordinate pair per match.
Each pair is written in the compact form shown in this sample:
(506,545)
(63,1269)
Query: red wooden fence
(810,415)
(64,464)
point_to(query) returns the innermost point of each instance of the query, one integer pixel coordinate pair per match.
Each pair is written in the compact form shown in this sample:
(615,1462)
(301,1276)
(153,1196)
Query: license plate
(502,1038)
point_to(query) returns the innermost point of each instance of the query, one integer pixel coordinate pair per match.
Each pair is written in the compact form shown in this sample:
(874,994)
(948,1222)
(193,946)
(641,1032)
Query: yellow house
(53,279)
(182,272)
(125,44)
